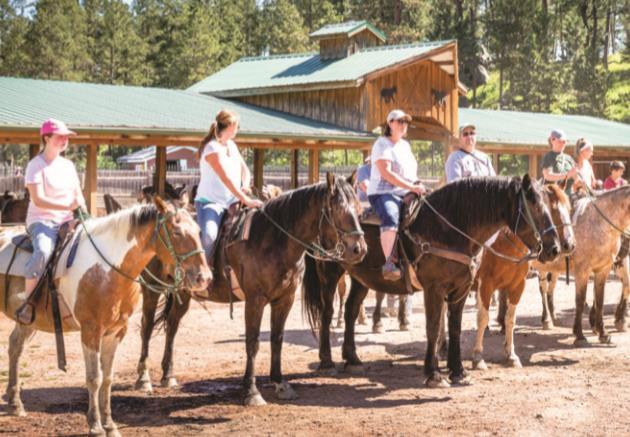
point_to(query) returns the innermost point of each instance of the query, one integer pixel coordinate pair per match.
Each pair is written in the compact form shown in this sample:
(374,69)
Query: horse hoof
(404,326)
(97,431)
(606,339)
(620,326)
(354,369)
(169,382)
(547,326)
(254,400)
(113,432)
(328,370)
(581,342)
(514,362)
(437,382)
(16,410)
(377,328)
(144,386)
(285,392)
(461,380)
(480,364)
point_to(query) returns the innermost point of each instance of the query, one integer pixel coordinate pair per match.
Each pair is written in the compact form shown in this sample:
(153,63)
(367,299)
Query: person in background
(466,161)
(585,177)
(615,179)
(557,166)
(363,179)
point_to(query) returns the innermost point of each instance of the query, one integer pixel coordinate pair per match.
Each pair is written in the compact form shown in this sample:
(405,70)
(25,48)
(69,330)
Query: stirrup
(21,316)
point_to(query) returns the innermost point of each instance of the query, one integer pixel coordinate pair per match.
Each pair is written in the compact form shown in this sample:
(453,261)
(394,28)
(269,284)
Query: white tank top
(211,187)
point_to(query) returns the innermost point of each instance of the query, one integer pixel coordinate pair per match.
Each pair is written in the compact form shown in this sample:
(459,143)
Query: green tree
(13,30)
(281,27)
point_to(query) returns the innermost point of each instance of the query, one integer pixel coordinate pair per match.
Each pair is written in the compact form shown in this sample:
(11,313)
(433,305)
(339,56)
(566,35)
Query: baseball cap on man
(398,114)
(56,127)
(557,134)
(464,126)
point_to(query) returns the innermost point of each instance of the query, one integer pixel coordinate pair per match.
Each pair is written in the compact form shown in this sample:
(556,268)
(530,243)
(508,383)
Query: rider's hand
(246,190)
(572,173)
(252,203)
(74,204)
(419,189)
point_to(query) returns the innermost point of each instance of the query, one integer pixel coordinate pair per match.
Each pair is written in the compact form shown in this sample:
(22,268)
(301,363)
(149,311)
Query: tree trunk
(607,33)
(500,84)
(397,11)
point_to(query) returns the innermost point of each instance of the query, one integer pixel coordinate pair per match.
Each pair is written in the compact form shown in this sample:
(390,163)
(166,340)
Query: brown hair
(43,140)
(617,165)
(224,119)
(579,145)
(388,130)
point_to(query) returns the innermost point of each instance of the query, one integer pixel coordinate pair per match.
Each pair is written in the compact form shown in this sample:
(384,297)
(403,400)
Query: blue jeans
(209,215)
(44,236)
(387,208)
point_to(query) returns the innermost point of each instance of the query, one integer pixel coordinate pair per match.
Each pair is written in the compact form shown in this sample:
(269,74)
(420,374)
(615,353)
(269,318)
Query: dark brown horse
(477,207)
(269,269)
(13,209)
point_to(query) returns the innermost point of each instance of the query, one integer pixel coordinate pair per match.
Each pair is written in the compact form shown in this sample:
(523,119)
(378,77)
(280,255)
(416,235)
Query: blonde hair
(224,119)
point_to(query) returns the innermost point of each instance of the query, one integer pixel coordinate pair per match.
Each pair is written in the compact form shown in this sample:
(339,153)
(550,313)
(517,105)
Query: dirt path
(561,390)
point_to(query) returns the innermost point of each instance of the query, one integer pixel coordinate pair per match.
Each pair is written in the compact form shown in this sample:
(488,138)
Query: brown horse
(100,292)
(269,268)
(178,194)
(441,241)
(598,223)
(13,209)
(496,273)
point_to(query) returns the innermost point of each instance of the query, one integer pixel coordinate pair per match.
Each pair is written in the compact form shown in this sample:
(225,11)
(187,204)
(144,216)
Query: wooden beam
(90,183)
(313,166)
(33,150)
(159,177)
(295,168)
(259,163)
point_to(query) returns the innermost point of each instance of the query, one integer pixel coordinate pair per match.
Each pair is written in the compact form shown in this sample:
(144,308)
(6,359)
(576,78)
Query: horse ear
(527,182)
(330,182)
(563,184)
(161,205)
(352,179)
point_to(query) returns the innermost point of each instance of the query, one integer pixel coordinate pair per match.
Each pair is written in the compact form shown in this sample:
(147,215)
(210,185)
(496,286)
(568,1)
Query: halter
(529,219)
(161,286)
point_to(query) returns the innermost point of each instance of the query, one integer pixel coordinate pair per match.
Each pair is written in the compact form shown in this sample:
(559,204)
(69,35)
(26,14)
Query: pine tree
(282,29)
(13,28)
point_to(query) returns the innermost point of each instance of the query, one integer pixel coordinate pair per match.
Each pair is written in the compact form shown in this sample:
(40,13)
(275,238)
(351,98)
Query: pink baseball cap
(57,127)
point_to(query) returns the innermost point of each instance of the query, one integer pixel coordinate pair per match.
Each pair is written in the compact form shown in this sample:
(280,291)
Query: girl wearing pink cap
(55,191)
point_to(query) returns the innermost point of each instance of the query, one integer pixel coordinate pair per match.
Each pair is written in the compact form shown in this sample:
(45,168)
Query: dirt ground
(561,390)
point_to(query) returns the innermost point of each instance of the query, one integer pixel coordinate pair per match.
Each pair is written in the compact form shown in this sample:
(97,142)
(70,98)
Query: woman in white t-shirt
(55,191)
(586,177)
(394,173)
(224,178)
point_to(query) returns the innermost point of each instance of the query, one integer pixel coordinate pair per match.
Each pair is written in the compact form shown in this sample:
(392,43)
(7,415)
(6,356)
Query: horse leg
(361,320)
(254,307)
(279,312)
(513,298)
(404,309)
(341,290)
(442,341)
(455,311)
(543,286)
(599,287)
(434,310)
(329,284)
(108,353)
(620,313)
(356,297)
(553,279)
(484,293)
(581,283)
(91,342)
(20,336)
(377,324)
(502,310)
(173,318)
(149,306)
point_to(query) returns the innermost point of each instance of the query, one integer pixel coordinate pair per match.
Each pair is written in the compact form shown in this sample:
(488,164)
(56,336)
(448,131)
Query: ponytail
(209,137)
(224,118)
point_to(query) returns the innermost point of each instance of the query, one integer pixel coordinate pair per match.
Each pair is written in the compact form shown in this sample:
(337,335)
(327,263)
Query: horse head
(533,223)
(180,250)
(339,226)
(560,208)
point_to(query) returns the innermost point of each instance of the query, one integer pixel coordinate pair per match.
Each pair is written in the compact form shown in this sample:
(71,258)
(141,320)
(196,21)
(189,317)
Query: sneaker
(391,272)
(25,314)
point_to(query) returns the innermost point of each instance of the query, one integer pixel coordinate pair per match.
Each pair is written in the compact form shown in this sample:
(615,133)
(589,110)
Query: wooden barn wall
(335,48)
(411,89)
(342,107)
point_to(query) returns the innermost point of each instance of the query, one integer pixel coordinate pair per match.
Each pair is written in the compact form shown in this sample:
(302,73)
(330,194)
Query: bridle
(525,212)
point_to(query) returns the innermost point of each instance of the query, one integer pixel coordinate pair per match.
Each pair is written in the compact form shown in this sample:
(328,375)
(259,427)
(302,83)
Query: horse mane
(468,203)
(123,220)
(582,204)
(560,194)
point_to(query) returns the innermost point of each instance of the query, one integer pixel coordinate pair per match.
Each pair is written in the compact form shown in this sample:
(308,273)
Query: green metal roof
(25,103)
(348,28)
(247,75)
(529,128)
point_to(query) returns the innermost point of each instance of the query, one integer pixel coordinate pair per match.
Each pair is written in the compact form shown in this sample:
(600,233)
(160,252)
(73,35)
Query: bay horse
(442,262)
(496,273)
(101,292)
(269,269)
(598,223)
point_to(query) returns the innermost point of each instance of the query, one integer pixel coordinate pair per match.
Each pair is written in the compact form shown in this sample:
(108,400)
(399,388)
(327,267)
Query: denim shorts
(44,236)
(387,208)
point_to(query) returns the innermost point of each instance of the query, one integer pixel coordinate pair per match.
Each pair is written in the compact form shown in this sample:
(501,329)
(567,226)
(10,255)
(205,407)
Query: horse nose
(555,250)
(568,246)
(202,279)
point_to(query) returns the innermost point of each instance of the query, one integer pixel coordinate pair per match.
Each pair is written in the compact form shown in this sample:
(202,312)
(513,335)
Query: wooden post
(90,183)
(159,177)
(295,167)
(313,166)
(533,166)
(33,150)
(495,162)
(366,153)
(259,162)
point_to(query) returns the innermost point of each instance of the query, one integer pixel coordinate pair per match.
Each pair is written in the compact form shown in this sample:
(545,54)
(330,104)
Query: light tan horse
(100,291)
(598,224)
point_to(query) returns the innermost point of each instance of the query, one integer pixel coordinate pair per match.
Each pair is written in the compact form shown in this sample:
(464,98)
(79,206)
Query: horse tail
(312,302)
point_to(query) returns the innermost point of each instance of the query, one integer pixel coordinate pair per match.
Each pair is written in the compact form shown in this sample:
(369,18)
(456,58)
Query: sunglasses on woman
(402,121)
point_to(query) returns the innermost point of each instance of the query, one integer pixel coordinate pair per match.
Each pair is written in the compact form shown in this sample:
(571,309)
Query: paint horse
(101,291)
(497,273)
(441,242)
(269,268)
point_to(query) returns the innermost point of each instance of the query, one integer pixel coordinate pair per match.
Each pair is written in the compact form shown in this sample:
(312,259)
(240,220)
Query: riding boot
(390,271)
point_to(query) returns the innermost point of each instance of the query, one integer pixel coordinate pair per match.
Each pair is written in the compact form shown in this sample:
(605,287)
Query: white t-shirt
(403,164)
(586,173)
(211,187)
(463,165)
(60,182)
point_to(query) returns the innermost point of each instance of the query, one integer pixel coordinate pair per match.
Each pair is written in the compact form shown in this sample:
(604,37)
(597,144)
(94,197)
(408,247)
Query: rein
(591,197)
(161,287)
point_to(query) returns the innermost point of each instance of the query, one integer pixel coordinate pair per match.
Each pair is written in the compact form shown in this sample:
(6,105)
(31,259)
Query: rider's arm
(215,161)
(385,168)
(39,199)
